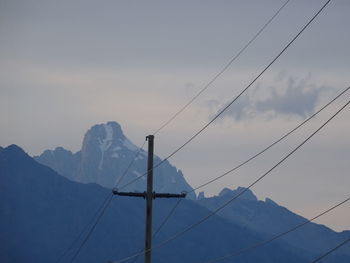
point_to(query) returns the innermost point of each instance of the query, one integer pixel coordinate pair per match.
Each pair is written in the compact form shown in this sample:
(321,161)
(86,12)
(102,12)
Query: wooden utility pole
(149,195)
(149,199)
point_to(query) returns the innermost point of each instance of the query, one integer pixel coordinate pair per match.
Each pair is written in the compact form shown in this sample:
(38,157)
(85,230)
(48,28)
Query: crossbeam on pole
(154,194)
(149,195)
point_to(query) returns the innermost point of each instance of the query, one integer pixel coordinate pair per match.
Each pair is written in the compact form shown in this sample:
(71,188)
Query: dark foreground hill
(42,212)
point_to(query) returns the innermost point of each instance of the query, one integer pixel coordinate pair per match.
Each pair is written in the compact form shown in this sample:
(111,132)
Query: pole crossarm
(134,194)
(149,195)
(154,194)
(167,195)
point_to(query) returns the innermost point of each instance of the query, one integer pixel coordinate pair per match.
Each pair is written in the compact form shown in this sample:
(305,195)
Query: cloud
(295,97)
(300,99)
(238,111)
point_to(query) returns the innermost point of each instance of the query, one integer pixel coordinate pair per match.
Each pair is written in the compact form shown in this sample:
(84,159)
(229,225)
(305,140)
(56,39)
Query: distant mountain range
(268,219)
(105,155)
(42,212)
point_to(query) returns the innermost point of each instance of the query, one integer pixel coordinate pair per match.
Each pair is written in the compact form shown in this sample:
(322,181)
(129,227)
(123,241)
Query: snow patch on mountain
(128,144)
(117,148)
(105,143)
(139,157)
(115,155)
(104,158)
(138,175)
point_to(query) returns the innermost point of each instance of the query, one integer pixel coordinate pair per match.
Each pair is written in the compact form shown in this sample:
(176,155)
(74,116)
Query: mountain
(105,155)
(268,218)
(42,212)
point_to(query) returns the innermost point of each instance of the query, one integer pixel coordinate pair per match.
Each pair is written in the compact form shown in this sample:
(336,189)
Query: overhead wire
(252,157)
(255,182)
(264,242)
(92,229)
(172,211)
(223,110)
(212,213)
(181,110)
(65,252)
(98,214)
(271,145)
(248,160)
(160,226)
(206,86)
(237,96)
(217,75)
(331,251)
(130,164)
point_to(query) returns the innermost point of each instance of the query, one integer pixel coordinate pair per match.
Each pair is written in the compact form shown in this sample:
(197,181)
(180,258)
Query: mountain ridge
(105,155)
(269,218)
(43,212)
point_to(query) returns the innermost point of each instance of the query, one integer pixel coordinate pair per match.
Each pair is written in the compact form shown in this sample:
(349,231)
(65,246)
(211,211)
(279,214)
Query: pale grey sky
(67,65)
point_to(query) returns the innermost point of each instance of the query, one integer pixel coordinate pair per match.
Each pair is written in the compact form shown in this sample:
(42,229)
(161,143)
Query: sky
(67,65)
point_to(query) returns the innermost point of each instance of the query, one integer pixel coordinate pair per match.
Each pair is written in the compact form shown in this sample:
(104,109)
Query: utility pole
(149,195)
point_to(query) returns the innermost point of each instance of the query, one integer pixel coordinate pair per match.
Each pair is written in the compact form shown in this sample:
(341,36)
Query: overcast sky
(67,65)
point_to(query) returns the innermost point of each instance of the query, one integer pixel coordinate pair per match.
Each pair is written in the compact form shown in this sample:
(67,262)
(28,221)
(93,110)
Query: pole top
(115,191)
(150,137)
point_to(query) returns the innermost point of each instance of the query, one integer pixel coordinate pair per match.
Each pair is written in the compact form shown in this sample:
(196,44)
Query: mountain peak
(14,148)
(108,131)
(109,139)
(105,157)
(14,152)
(106,135)
(248,195)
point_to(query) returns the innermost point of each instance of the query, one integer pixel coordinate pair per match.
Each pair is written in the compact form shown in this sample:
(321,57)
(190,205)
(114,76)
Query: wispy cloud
(294,97)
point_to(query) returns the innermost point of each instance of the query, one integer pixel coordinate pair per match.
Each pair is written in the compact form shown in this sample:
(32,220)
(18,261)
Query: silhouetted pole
(149,195)
(149,199)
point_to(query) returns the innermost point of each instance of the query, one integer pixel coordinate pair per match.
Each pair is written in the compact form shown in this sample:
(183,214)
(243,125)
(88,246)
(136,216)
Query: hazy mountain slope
(62,161)
(268,218)
(42,212)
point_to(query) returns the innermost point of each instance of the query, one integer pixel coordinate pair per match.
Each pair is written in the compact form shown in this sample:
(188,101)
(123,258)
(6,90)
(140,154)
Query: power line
(211,82)
(110,196)
(206,86)
(223,110)
(245,162)
(161,226)
(271,145)
(227,106)
(255,182)
(172,211)
(99,213)
(201,91)
(92,229)
(236,97)
(168,216)
(183,108)
(331,251)
(243,191)
(130,164)
(82,231)
(251,158)
(262,243)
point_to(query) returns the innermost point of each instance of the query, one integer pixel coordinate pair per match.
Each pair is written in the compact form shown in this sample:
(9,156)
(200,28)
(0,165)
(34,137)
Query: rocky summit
(105,156)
